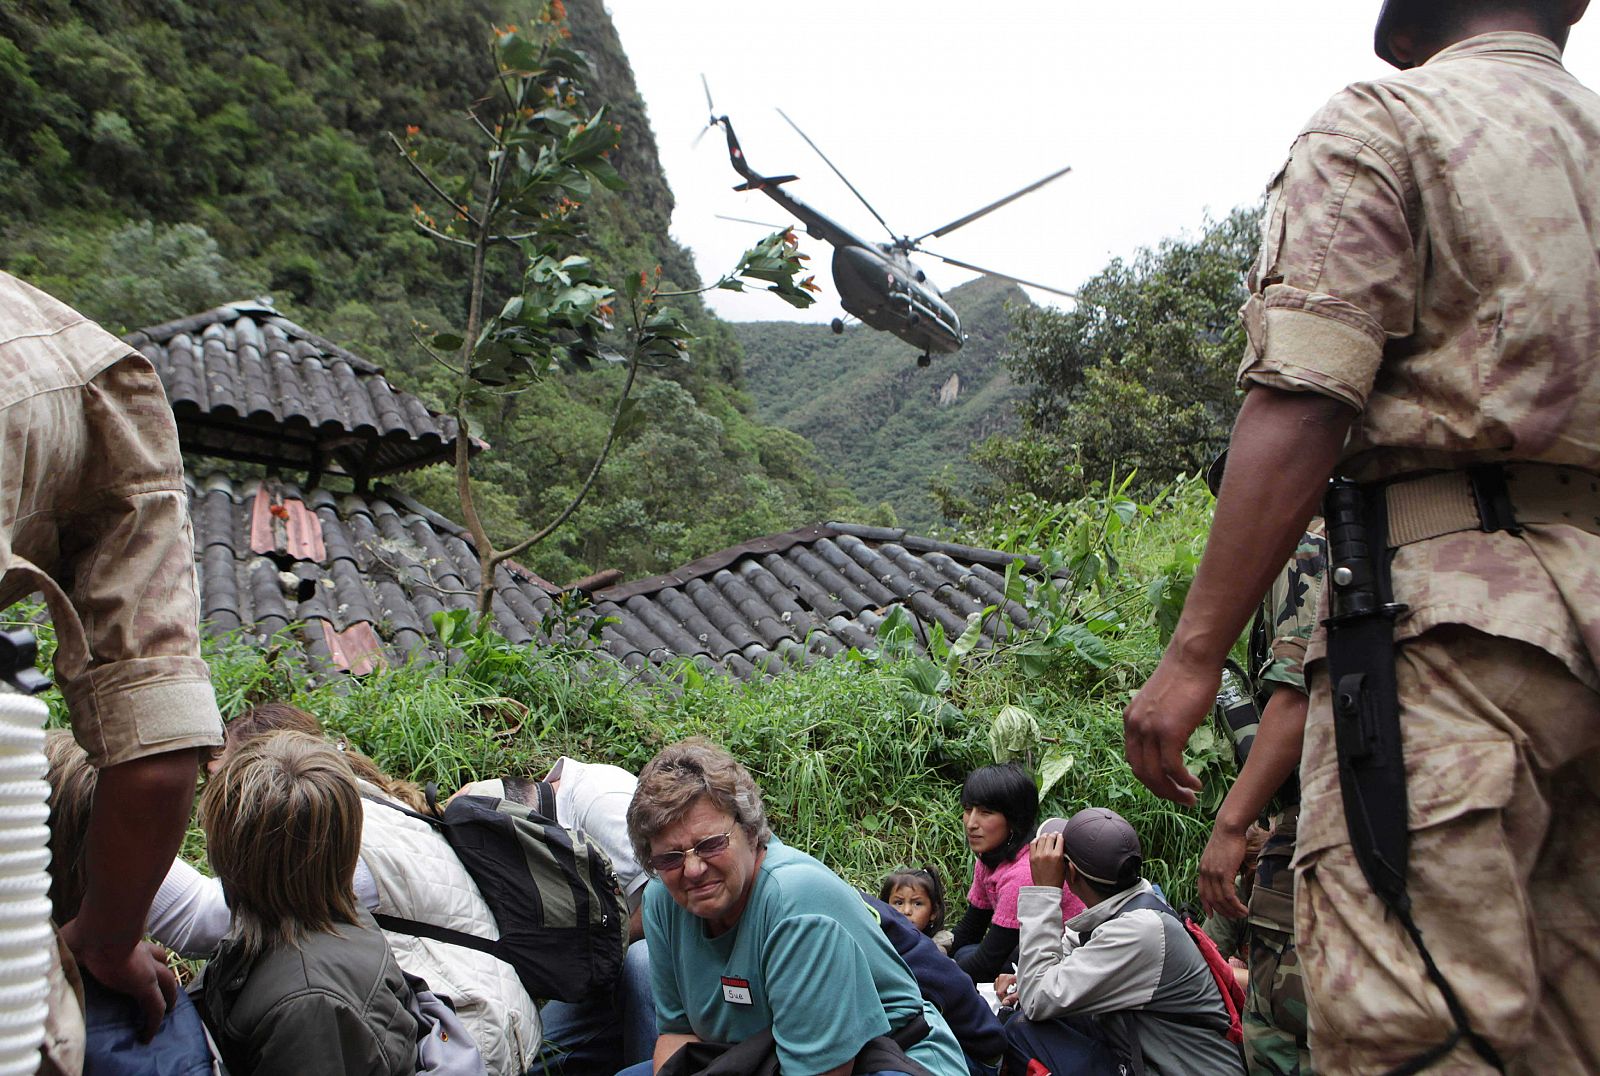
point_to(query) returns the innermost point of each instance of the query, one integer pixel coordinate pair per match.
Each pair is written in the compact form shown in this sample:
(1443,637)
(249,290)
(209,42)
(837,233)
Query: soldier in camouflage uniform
(1268,750)
(1425,318)
(93,514)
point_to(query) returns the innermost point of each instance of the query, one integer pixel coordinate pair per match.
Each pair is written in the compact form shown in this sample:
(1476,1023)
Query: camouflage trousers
(1274,1015)
(1502,750)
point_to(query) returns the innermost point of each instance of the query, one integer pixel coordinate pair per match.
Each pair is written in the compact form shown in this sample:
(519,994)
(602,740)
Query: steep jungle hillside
(158,157)
(888,426)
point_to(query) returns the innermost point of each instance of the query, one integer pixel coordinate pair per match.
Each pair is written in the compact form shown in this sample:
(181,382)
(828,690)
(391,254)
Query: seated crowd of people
(743,954)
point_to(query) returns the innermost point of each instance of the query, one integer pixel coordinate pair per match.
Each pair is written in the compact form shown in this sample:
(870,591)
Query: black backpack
(560,912)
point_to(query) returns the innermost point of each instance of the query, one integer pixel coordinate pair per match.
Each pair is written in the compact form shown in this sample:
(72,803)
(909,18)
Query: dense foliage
(1136,379)
(158,157)
(886,425)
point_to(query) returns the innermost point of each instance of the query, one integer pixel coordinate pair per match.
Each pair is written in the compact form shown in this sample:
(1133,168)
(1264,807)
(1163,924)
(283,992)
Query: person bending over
(305,982)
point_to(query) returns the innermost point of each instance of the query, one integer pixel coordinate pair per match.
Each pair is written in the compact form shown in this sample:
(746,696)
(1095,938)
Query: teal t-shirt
(805,959)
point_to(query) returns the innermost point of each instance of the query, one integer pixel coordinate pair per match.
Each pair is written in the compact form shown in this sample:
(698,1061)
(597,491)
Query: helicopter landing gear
(924,359)
(837,325)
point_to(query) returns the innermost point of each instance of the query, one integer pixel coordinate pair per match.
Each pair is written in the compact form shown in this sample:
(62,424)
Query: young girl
(1000,811)
(919,896)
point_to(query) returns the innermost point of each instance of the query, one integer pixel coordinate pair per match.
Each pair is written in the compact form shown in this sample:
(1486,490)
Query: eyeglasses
(709,848)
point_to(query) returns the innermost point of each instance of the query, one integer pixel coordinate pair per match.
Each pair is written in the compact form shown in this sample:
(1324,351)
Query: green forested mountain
(888,426)
(158,157)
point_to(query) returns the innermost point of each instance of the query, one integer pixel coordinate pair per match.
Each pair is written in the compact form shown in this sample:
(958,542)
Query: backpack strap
(393,806)
(433,932)
(1231,1008)
(417,928)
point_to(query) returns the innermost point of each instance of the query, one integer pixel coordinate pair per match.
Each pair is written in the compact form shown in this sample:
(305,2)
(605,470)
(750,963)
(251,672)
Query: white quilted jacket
(419,877)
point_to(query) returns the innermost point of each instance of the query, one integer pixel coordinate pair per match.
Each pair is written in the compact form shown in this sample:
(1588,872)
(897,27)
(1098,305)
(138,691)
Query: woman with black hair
(1000,812)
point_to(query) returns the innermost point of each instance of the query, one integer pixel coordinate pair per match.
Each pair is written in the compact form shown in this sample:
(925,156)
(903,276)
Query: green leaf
(926,678)
(1016,585)
(969,639)
(447,342)
(1014,734)
(453,626)
(1085,644)
(1053,769)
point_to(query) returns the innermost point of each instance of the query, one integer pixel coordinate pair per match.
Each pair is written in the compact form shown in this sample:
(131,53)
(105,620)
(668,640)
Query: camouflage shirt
(1288,616)
(1428,258)
(94,515)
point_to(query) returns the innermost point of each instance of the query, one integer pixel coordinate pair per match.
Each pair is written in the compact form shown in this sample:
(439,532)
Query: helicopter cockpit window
(921,276)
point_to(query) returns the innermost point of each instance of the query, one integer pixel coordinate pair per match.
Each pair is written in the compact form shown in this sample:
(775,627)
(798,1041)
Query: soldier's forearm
(1283,450)
(1273,757)
(140,811)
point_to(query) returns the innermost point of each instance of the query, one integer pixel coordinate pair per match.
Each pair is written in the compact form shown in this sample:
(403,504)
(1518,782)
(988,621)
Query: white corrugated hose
(25,934)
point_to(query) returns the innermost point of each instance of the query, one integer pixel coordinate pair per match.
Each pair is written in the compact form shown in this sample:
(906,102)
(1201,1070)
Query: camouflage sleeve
(128,554)
(1335,276)
(1292,611)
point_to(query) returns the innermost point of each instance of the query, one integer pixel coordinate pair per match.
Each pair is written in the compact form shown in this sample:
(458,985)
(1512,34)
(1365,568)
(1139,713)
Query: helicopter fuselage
(881,287)
(891,293)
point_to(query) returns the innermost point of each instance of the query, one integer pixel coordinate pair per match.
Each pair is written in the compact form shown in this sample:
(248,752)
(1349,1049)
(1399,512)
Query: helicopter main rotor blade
(992,206)
(747,220)
(1007,276)
(711,108)
(859,196)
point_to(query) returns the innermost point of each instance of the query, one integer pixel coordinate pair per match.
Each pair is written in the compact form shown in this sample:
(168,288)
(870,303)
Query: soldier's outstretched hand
(1157,723)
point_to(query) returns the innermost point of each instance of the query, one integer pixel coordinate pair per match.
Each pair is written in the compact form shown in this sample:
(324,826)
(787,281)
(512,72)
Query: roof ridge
(995,557)
(261,307)
(715,562)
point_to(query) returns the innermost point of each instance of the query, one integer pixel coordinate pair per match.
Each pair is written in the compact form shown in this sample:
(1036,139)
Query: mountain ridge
(872,413)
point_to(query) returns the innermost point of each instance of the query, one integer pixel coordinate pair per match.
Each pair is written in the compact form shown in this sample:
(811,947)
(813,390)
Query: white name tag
(736,991)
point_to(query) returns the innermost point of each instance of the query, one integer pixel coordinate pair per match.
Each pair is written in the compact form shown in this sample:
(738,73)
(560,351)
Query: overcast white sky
(1166,110)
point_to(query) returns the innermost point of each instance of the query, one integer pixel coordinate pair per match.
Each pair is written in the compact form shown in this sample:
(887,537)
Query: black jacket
(335,1005)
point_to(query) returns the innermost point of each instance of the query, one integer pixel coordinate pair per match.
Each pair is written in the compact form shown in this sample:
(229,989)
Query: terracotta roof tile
(796,597)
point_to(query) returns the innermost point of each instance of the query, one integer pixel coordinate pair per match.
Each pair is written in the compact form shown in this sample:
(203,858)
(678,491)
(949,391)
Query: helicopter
(878,283)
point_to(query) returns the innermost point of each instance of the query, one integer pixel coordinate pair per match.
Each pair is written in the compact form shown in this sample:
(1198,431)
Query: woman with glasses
(757,948)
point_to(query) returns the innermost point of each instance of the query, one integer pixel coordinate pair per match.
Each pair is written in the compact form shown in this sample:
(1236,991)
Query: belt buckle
(1493,498)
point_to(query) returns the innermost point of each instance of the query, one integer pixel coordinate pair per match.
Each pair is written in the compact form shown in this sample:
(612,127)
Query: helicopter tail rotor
(711,108)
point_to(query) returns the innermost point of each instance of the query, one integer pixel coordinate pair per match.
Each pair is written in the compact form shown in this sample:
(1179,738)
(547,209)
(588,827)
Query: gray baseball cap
(1103,846)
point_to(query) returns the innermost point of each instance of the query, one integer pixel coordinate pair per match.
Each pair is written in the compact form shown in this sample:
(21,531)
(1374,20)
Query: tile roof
(248,384)
(357,575)
(801,595)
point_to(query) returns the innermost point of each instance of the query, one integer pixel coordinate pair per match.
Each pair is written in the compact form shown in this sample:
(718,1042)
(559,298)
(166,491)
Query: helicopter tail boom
(756,183)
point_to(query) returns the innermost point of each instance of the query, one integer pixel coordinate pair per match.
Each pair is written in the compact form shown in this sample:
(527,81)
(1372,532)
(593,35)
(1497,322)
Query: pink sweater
(996,889)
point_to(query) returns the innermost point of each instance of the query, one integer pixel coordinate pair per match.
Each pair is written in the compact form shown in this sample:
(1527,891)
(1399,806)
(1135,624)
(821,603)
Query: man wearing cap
(1123,977)
(1424,318)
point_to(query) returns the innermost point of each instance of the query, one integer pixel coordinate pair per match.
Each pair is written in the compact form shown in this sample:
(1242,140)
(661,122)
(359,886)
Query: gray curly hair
(679,777)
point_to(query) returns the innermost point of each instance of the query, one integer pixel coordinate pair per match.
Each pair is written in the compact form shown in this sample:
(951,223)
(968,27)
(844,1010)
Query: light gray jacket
(1140,962)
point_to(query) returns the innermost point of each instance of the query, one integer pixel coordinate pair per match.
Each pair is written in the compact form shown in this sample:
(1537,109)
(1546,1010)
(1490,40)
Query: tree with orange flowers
(522,203)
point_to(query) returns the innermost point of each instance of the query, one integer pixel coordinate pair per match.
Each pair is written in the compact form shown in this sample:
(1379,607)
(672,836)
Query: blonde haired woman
(305,983)
(404,868)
